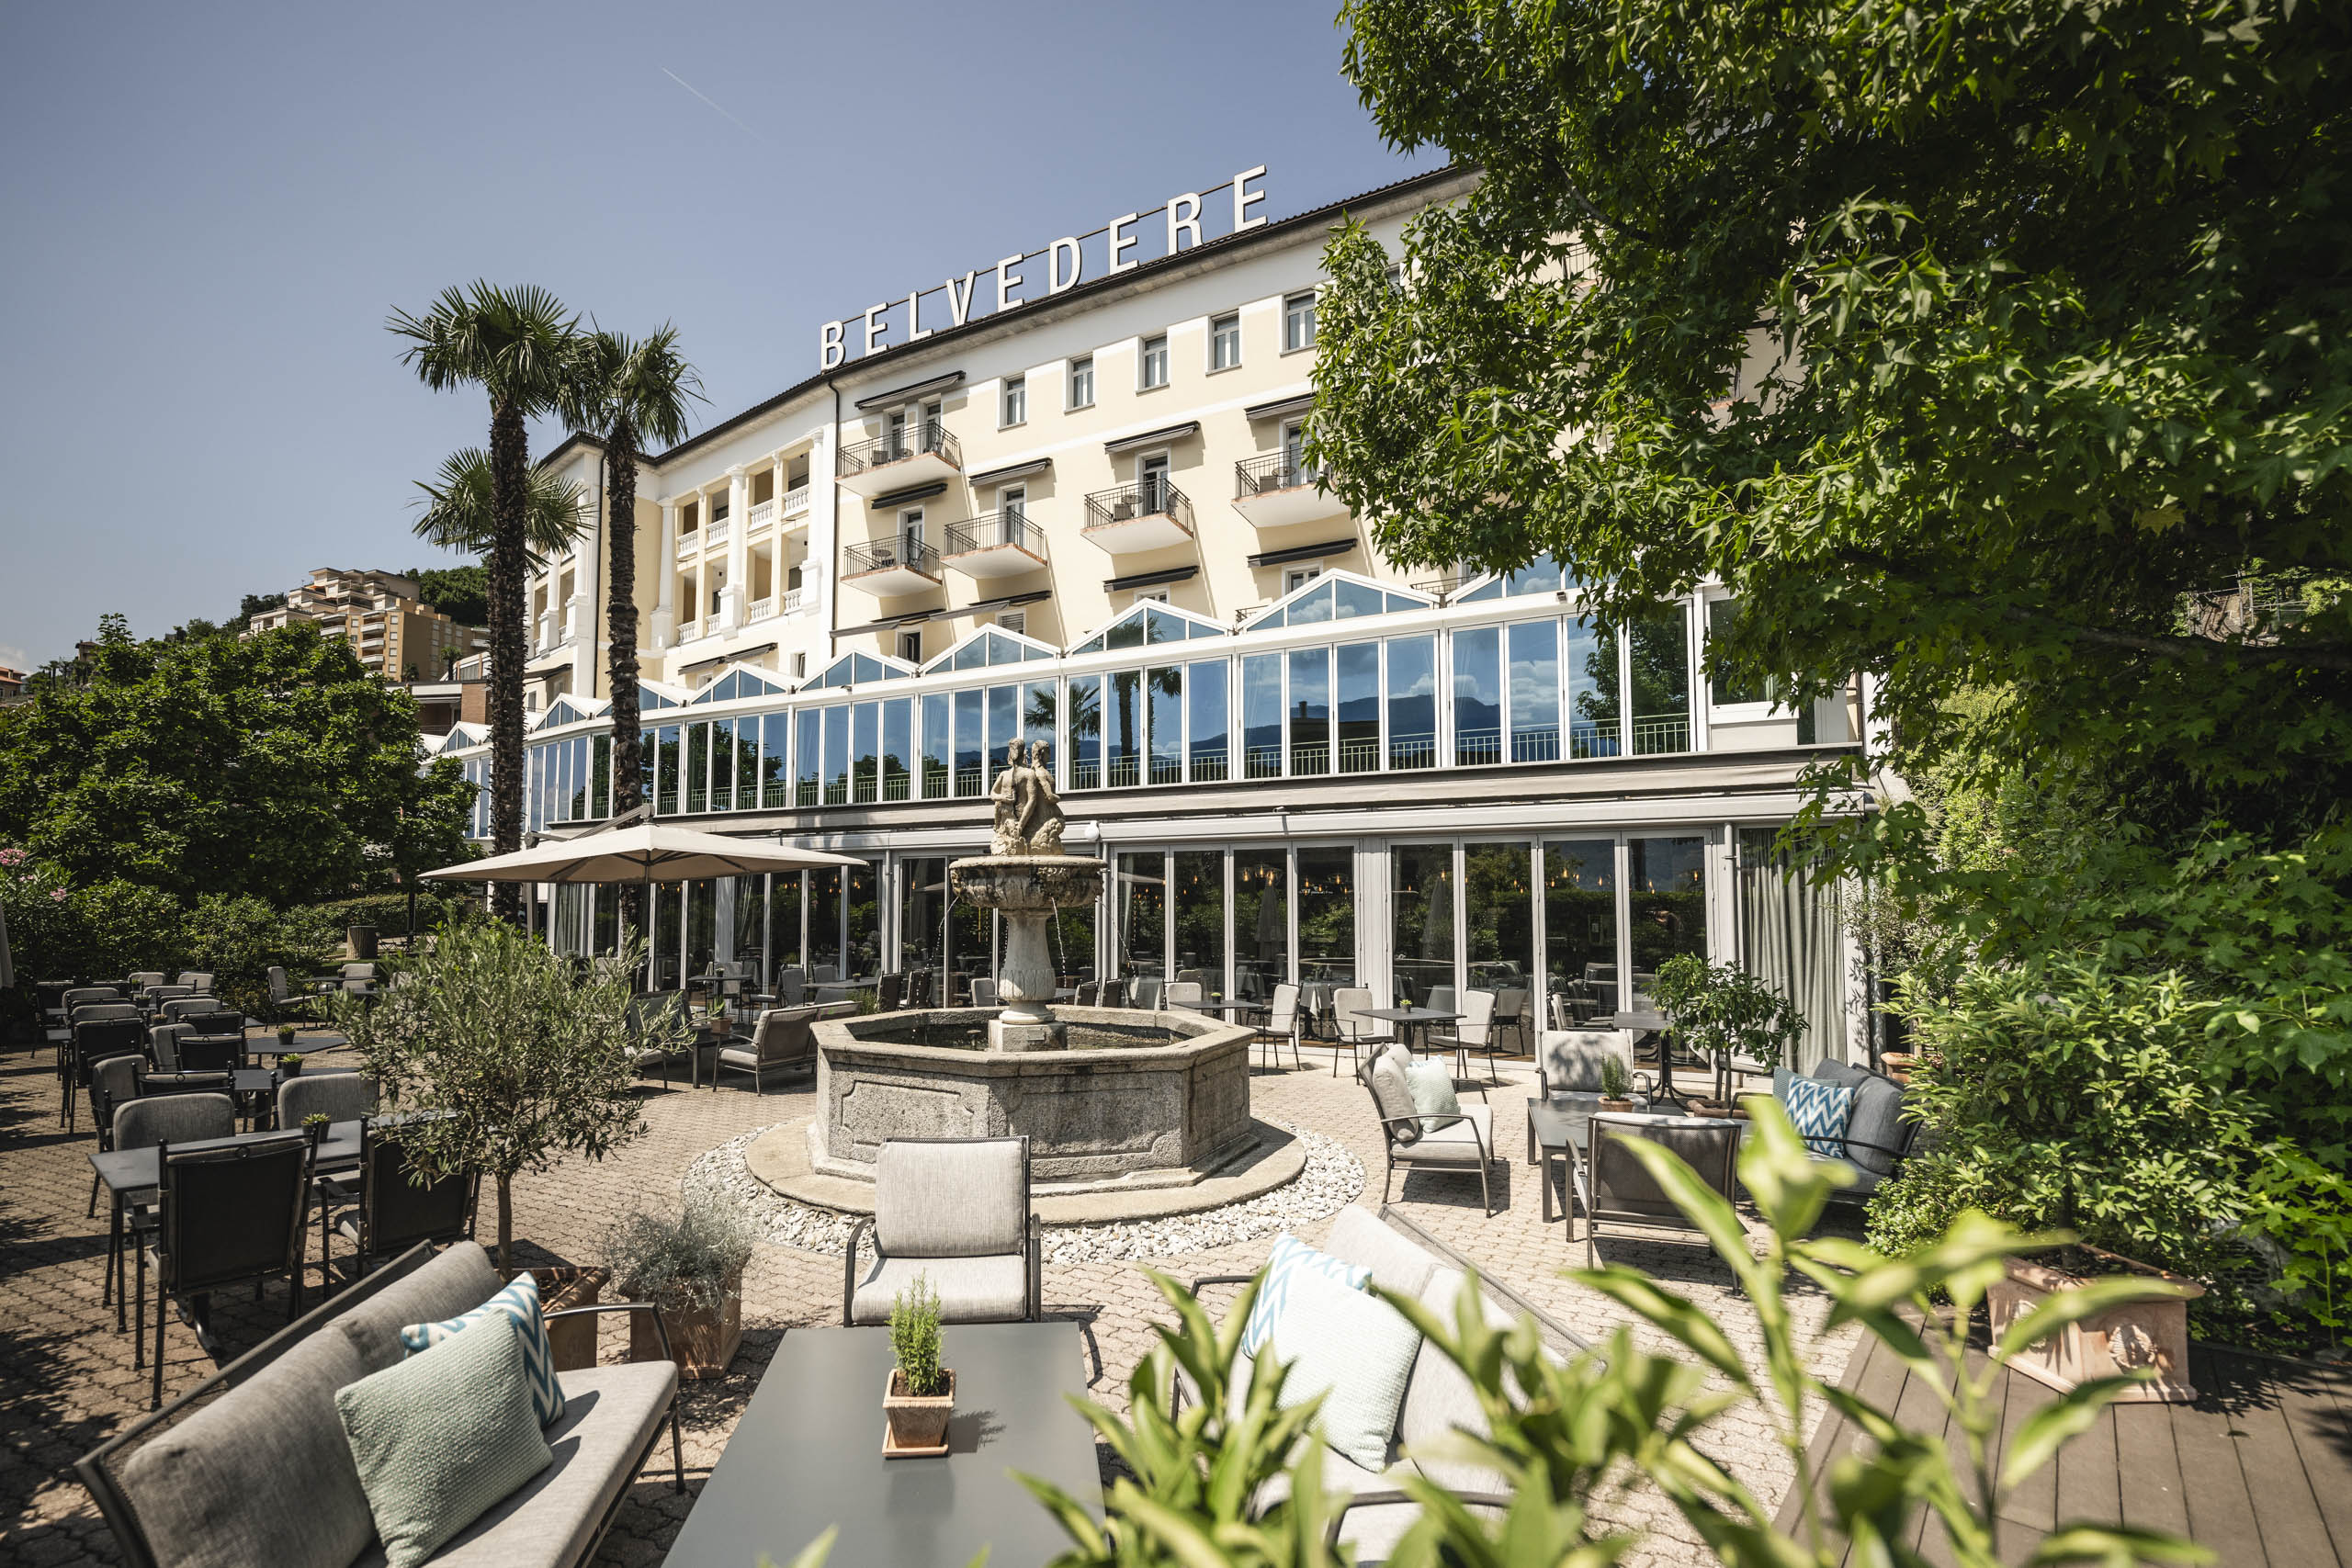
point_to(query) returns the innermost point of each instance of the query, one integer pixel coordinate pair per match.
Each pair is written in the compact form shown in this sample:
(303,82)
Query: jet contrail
(714,104)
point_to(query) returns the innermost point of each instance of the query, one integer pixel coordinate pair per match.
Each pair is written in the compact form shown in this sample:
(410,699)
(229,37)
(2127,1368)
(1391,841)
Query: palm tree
(515,344)
(628,391)
(458,513)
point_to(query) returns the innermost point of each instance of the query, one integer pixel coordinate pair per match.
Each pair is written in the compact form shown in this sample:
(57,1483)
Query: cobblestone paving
(66,1379)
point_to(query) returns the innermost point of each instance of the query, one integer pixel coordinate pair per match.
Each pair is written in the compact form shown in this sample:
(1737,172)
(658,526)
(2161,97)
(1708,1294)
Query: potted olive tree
(918,1396)
(691,1268)
(1726,1014)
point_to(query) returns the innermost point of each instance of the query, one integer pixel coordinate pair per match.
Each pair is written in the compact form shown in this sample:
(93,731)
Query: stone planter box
(573,1341)
(2142,1333)
(915,1426)
(704,1339)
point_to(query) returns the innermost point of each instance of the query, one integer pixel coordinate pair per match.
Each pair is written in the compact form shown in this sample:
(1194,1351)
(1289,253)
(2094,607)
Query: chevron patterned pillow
(1290,1258)
(520,1303)
(1820,1111)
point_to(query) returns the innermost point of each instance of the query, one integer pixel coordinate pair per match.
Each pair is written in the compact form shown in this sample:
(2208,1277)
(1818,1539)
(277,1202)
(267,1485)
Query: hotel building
(1085,520)
(396,636)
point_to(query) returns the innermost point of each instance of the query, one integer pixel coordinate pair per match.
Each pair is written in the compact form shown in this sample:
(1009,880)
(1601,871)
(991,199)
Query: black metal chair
(97,1004)
(210,1053)
(152,1118)
(112,1081)
(215,1020)
(885,992)
(389,1207)
(1616,1190)
(95,1040)
(225,1216)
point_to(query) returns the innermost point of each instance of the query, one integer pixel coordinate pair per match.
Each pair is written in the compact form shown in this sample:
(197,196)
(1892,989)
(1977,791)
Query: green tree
(271,765)
(460,592)
(627,391)
(515,344)
(253,605)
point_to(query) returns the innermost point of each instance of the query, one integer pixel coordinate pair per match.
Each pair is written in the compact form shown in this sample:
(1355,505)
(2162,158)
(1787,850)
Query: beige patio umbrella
(643,851)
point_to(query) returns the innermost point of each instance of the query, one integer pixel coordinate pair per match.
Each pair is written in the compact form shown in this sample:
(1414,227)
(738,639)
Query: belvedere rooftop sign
(1015,281)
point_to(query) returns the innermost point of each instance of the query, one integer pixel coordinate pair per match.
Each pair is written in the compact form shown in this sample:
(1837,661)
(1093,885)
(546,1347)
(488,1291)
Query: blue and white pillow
(1820,1111)
(520,1303)
(1290,1258)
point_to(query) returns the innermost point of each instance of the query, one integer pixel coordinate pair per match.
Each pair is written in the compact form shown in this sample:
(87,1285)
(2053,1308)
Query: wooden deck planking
(2318,1408)
(1835,1435)
(2147,1464)
(2220,1514)
(2035,1503)
(1920,1410)
(2284,1510)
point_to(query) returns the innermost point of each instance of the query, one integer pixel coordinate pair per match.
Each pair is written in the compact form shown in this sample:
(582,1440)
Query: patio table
(808,1454)
(1559,1128)
(1411,1018)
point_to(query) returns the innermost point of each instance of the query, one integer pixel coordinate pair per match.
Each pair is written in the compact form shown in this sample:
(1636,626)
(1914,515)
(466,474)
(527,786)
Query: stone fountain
(1026,877)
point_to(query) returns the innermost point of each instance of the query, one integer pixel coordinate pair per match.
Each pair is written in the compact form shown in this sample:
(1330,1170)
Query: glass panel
(702,927)
(1038,718)
(1205,693)
(649,753)
(898,747)
(1086,732)
(607,933)
(1261,716)
(784,917)
(697,768)
(775,788)
(824,936)
(1661,681)
(600,786)
(1580,925)
(971,743)
(1199,919)
(1499,915)
(1412,702)
(1421,918)
(747,764)
(1477,697)
(865,920)
(1312,606)
(751,934)
(1359,708)
(837,726)
(936,746)
(669,770)
(1167,702)
(1352,599)
(1327,916)
(1723,615)
(1128,632)
(1004,723)
(1122,725)
(1310,710)
(1260,921)
(578,781)
(1667,903)
(1593,706)
(1143,915)
(1535,692)
(865,758)
(807,778)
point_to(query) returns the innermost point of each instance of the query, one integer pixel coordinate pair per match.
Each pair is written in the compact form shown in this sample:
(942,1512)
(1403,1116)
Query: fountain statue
(1026,877)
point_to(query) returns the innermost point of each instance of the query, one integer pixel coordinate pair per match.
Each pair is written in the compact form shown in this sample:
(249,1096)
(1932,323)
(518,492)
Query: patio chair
(164,1045)
(143,978)
(885,993)
(95,1040)
(1148,992)
(1570,1060)
(984,992)
(643,1011)
(385,1209)
(112,1082)
(286,1003)
(146,1122)
(210,1053)
(780,1040)
(918,989)
(1114,994)
(1878,1138)
(1186,994)
(791,988)
(1282,1024)
(1088,994)
(956,1209)
(1461,1147)
(155,997)
(198,981)
(1474,1031)
(1513,1006)
(1616,1188)
(1356,1033)
(339,1096)
(151,1084)
(1442,999)
(224,1216)
(187,1010)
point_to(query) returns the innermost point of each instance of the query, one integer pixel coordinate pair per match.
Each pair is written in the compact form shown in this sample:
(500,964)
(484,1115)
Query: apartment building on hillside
(396,636)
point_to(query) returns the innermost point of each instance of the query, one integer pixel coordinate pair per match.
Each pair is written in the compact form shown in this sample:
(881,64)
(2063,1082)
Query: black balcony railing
(929,435)
(1275,470)
(886,555)
(1124,503)
(996,530)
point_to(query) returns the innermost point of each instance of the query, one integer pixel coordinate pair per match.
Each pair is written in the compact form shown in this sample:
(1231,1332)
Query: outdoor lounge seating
(252,1465)
(1615,1189)
(1465,1145)
(780,1040)
(642,1012)
(956,1209)
(339,1096)
(1357,1033)
(1877,1139)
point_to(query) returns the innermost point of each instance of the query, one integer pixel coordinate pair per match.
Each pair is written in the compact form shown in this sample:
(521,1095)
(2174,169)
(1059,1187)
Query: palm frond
(514,343)
(645,383)
(455,508)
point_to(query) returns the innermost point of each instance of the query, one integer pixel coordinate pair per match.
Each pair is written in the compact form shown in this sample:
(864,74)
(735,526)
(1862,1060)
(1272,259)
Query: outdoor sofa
(252,1466)
(1878,1136)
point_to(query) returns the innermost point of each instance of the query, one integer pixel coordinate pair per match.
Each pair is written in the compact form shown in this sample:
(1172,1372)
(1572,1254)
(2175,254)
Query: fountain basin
(1168,1105)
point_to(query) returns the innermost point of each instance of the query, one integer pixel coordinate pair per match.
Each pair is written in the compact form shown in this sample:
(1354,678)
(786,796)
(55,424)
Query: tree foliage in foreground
(273,766)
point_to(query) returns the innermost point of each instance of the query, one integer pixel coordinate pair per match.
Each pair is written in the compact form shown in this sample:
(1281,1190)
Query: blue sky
(210,212)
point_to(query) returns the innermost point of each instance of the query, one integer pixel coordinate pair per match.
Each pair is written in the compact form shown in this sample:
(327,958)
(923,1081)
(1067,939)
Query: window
(910,647)
(1299,577)
(1081,381)
(1152,368)
(1015,621)
(910,530)
(720,503)
(1299,323)
(1723,690)
(1151,596)
(690,517)
(1225,341)
(1016,401)
(1151,479)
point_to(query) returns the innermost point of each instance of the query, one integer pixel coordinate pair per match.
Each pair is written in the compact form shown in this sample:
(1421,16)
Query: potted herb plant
(691,1268)
(284,1035)
(1616,1085)
(918,1396)
(290,1064)
(315,1125)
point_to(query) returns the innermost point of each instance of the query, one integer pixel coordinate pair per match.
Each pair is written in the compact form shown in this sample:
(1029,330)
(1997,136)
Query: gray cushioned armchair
(956,1209)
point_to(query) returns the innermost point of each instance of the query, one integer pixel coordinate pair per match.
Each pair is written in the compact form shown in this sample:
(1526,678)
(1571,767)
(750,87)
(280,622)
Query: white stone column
(587,653)
(732,598)
(666,572)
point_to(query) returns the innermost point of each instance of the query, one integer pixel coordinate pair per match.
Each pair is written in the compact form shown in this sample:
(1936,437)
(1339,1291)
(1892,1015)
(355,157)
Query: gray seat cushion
(1393,1096)
(1454,1143)
(610,1414)
(1357,1236)
(1876,1118)
(455,1282)
(1866,1180)
(971,1290)
(961,1199)
(1829,1070)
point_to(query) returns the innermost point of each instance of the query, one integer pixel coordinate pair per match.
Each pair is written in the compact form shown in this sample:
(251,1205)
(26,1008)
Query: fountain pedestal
(1026,890)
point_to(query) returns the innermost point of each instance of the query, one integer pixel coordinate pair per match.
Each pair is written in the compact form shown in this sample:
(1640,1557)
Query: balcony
(1131,519)
(690,541)
(795,600)
(920,455)
(714,533)
(762,512)
(996,544)
(890,567)
(762,609)
(1277,489)
(796,501)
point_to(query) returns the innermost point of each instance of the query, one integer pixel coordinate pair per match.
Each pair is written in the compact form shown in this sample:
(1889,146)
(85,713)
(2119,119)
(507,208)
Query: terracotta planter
(575,1339)
(915,1426)
(1617,1107)
(702,1339)
(2142,1334)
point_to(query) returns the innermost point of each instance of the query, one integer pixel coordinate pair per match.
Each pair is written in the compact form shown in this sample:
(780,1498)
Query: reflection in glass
(668,799)
(1005,725)
(1724,691)
(1199,919)
(1420,903)
(1072,931)
(1359,708)
(864,956)
(1659,649)
(1260,921)
(775,788)
(866,761)
(935,745)
(1326,915)
(1666,903)
(1261,716)
(971,744)
(1499,915)
(837,727)
(751,933)
(824,935)
(1165,684)
(697,768)
(1205,693)
(1037,716)
(1310,710)
(808,770)
(1535,692)
(1142,892)
(784,917)
(1477,697)
(1580,925)
(608,932)
(1086,732)
(702,927)
(897,750)
(1122,730)
(1412,702)
(1594,708)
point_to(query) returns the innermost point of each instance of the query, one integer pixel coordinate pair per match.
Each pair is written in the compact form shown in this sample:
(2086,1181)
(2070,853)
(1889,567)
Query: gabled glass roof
(737,684)
(858,669)
(1149,623)
(990,645)
(651,697)
(568,709)
(1542,575)
(1338,596)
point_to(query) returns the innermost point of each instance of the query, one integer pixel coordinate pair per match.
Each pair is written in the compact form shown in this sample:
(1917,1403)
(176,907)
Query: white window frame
(915,632)
(1291,304)
(909,530)
(1146,357)
(1232,320)
(1297,577)
(1012,405)
(1080,365)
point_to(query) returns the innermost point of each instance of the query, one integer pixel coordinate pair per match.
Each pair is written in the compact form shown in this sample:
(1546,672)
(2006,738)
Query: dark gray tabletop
(808,1453)
(1410,1015)
(132,1170)
(303,1044)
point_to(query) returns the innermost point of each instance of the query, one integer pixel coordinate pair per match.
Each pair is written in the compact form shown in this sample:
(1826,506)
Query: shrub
(688,1262)
(1722,1009)
(388,912)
